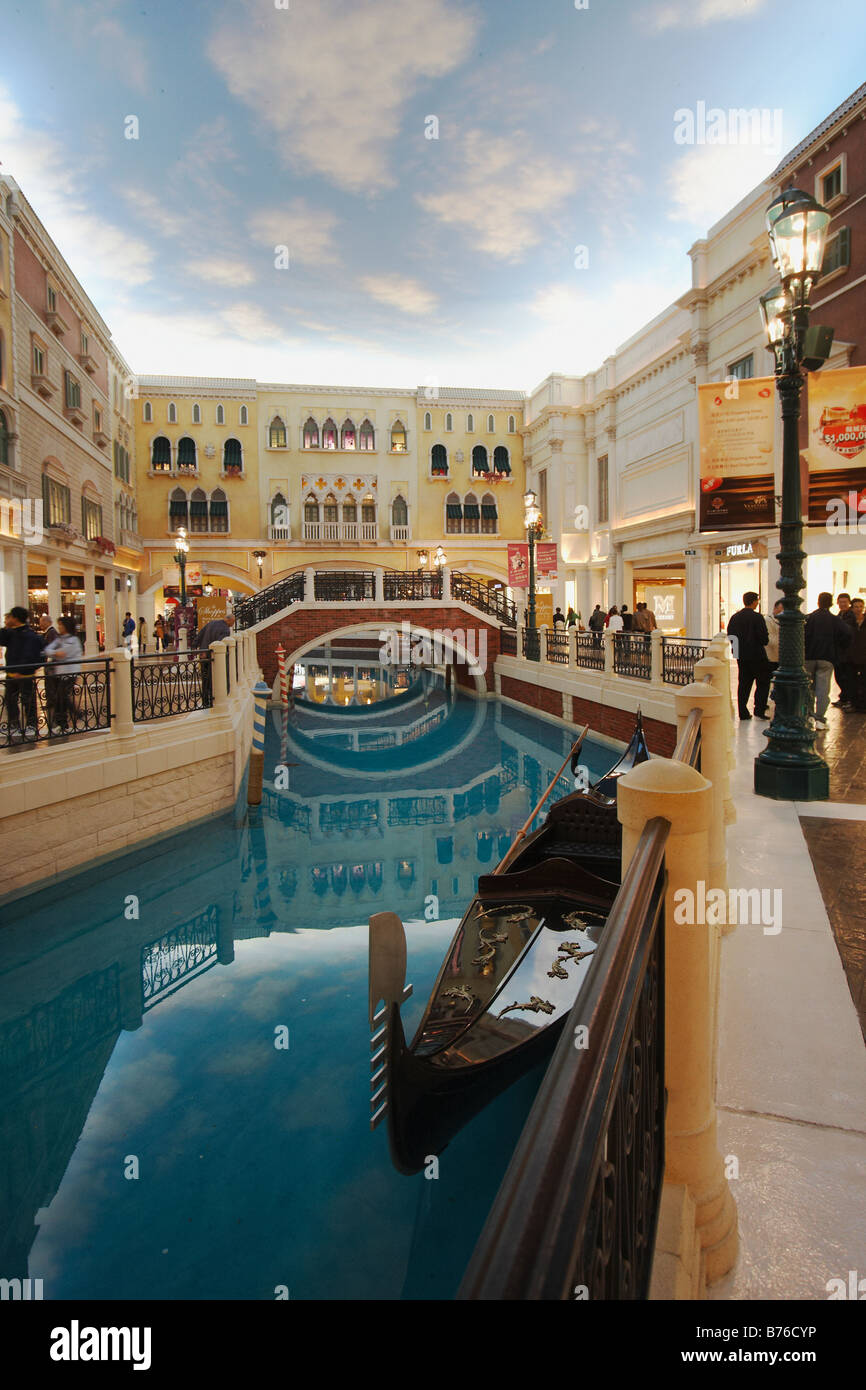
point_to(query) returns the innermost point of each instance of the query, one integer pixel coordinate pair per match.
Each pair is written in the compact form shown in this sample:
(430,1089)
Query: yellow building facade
(269,479)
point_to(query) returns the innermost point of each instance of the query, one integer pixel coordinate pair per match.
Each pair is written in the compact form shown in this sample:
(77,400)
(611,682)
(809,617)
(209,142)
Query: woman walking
(159,632)
(65,654)
(142,636)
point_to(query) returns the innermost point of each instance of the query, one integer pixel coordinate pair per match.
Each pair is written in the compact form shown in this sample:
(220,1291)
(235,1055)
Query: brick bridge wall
(602,719)
(301,625)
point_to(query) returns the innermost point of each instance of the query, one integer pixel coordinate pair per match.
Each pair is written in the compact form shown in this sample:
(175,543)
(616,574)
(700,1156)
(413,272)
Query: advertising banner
(518,564)
(737,422)
(544,610)
(546,559)
(665,602)
(209,609)
(837,444)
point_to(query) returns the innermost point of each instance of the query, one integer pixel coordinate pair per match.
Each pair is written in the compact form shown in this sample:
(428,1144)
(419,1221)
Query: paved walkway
(792,1061)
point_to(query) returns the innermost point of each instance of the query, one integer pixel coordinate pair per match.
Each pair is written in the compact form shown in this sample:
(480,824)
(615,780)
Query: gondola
(512,972)
(636,752)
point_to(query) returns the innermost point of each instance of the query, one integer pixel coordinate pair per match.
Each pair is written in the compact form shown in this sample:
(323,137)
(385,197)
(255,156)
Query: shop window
(233,458)
(329,434)
(347,435)
(186,456)
(311,434)
(160,455)
(480,463)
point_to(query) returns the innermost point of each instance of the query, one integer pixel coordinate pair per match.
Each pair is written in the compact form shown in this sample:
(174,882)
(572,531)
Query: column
(110,614)
(446,583)
(91,646)
(234,683)
(608,637)
(53,568)
(719,674)
(121,693)
(218,675)
(379,591)
(309,584)
(656,658)
(684,798)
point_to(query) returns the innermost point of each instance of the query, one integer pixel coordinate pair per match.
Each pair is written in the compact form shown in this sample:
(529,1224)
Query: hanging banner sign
(544,610)
(836,454)
(737,422)
(518,564)
(546,559)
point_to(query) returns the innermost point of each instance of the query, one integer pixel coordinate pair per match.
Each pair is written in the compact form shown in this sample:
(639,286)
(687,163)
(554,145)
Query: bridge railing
(486,599)
(256,607)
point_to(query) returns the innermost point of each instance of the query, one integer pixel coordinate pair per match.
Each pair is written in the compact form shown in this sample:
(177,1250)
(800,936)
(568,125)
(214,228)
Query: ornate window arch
(511,424)
(312,512)
(219,511)
(233,456)
(428,420)
(453,515)
(439,461)
(399,511)
(220,414)
(348,437)
(279,512)
(449,422)
(147,412)
(244,416)
(480,461)
(398,437)
(368,510)
(178,509)
(311,433)
(470,423)
(198,514)
(330,509)
(350,510)
(196,414)
(489,515)
(471,515)
(501,460)
(186,454)
(491,424)
(329,434)
(367,437)
(172,413)
(160,454)
(277,433)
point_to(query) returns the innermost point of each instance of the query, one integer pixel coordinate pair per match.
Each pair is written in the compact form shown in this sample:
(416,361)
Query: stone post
(91,644)
(121,693)
(684,798)
(718,673)
(218,676)
(379,573)
(309,584)
(714,765)
(446,583)
(52,566)
(656,658)
(234,683)
(608,651)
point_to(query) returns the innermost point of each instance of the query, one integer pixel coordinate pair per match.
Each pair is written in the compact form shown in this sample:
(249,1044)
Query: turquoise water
(154,1142)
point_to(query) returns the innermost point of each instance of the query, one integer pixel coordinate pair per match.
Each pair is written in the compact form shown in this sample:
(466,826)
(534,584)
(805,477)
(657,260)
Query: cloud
(501,194)
(708,180)
(249,322)
(97,250)
(332,81)
(685,14)
(580,326)
(152,210)
(220,271)
(95,28)
(308,232)
(400,292)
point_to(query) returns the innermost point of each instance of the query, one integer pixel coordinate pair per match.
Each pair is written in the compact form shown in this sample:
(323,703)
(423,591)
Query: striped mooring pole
(261,694)
(284,689)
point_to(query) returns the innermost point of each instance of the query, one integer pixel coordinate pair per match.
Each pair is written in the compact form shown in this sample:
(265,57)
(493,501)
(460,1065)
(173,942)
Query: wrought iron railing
(344,586)
(161,688)
(484,598)
(557,646)
(54,699)
(411,587)
(632,655)
(507,641)
(679,655)
(174,958)
(531,643)
(577,1211)
(255,608)
(589,651)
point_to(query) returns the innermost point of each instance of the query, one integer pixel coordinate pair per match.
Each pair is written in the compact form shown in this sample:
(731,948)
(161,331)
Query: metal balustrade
(589,650)
(54,699)
(557,647)
(507,641)
(161,688)
(486,599)
(412,587)
(273,599)
(344,586)
(632,655)
(679,655)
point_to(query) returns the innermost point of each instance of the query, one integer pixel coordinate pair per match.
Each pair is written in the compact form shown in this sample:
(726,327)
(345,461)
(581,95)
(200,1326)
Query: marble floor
(792,1061)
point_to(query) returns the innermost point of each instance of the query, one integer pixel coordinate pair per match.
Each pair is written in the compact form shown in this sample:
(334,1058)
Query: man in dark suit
(749,633)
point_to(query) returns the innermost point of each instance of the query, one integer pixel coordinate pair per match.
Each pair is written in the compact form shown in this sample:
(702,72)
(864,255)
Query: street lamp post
(534,528)
(181,545)
(260,556)
(789,769)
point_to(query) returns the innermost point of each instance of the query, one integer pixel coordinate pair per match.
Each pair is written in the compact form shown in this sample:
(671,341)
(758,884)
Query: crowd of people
(58,651)
(616,619)
(835,645)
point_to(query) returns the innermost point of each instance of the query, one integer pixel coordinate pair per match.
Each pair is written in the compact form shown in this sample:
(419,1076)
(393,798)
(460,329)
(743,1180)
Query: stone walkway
(792,1061)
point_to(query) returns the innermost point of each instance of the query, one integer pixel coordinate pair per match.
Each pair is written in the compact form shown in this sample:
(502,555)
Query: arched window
(350,511)
(198,510)
(428,420)
(219,510)
(244,418)
(366,437)
(480,464)
(277,433)
(329,434)
(177,509)
(196,414)
(221,415)
(501,462)
(148,412)
(186,455)
(311,434)
(4,441)
(311,518)
(453,515)
(233,457)
(368,511)
(489,516)
(330,508)
(347,435)
(160,455)
(398,437)
(491,425)
(449,422)
(279,517)
(471,515)
(470,424)
(172,413)
(511,424)
(439,461)
(399,512)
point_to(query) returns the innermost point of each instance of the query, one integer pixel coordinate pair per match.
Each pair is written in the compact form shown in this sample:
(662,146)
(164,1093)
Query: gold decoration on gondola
(515,912)
(487,945)
(460,994)
(568,950)
(535,1006)
(578,919)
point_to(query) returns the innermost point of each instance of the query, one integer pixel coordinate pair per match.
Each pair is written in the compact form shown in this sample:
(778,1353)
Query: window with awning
(501,462)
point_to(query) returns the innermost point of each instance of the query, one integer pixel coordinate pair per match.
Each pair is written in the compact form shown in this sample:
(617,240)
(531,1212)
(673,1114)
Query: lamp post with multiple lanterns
(534,530)
(789,769)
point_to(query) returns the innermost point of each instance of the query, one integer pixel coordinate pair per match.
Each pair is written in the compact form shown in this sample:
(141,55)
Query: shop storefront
(72,600)
(663,589)
(740,566)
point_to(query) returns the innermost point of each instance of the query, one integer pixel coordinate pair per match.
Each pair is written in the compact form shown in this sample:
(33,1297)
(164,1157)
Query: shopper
(128,630)
(627,618)
(614,620)
(65,652)
(596,624)
(854,668)
(558,619)
(845,700)
(827,637)
(142,636)
(23,655)
(159,632)
(750,631)
(572,619)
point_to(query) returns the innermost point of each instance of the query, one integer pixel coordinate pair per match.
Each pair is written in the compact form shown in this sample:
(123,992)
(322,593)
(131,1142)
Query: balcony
(41,384)
(130,540)
(56,322)
(334,532)
(88,362)
(100,438)
(279,533)
(400,534)
(74,414)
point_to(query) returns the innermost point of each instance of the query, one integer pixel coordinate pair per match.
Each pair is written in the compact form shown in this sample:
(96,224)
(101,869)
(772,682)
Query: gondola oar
(521,834)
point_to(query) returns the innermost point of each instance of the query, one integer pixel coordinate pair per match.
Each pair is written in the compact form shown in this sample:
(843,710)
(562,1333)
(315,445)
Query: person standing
(627,618)
(855,657)
(826,638)
(142,636)
(23,654)
(67,650)
(747,626)
(159,632)
(772,648)
(558,619)
(128,630)
(571,618)
(596,625)
(214,631)
(845,701)
(614,620)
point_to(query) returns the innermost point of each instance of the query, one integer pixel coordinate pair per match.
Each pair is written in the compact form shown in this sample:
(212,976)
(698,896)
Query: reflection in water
(154,1036)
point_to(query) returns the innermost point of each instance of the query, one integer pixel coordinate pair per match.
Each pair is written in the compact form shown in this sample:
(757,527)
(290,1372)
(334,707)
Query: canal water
(184,1045)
